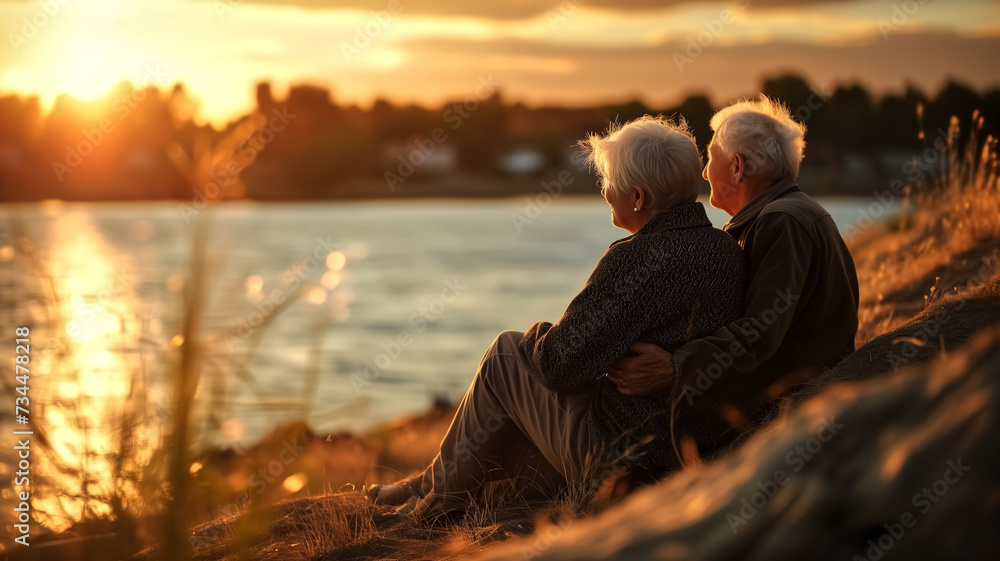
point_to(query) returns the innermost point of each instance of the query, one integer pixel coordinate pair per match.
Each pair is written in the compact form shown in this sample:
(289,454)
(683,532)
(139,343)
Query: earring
(636,209)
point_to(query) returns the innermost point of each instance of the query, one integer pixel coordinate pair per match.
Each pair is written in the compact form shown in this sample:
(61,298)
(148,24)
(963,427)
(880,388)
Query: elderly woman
(541,412)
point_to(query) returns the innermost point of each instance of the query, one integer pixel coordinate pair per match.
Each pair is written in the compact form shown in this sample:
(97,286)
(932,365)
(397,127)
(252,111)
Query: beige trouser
(510,426)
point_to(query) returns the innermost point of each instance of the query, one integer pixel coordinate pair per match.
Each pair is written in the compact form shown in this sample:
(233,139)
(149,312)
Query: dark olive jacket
(801,311)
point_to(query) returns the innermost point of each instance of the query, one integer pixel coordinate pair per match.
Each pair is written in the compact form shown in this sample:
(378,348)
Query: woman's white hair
(654,154)
(764,133)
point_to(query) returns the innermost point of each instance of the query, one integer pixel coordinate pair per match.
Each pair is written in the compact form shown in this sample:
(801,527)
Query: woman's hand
(649,370)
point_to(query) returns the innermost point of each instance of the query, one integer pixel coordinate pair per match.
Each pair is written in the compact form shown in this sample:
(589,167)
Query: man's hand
(650,369)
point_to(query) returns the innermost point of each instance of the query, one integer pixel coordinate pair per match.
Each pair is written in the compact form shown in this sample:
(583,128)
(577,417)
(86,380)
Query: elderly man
(540,412)
(801,306)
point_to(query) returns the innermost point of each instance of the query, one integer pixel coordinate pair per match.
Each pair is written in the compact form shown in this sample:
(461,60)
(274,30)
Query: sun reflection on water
(89,391)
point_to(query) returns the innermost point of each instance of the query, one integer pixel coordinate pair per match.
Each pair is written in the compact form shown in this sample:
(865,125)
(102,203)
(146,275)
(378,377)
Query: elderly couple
(682,337)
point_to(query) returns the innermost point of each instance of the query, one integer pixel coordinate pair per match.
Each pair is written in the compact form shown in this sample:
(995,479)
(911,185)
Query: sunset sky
(538,51)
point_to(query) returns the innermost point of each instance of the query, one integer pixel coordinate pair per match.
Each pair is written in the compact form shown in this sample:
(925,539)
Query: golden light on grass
(330,280)
(196,467)
(689,451)
(697,506)
(893,462)
(177,340)
(336,260)
(294,483)
(6,253)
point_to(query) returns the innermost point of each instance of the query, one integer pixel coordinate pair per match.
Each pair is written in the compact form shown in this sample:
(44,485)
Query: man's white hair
(654,154)
(764,133)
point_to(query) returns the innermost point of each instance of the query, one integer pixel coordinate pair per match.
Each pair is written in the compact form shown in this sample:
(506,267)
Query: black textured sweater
(675,279)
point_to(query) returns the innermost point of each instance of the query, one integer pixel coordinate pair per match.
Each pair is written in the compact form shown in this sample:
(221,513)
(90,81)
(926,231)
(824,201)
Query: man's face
(718,172)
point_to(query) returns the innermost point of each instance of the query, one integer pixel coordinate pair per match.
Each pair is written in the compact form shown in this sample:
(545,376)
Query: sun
(77,55)
(84,58)
(89,71)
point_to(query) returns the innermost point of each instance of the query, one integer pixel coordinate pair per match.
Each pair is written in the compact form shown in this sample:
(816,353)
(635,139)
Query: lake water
(441,276)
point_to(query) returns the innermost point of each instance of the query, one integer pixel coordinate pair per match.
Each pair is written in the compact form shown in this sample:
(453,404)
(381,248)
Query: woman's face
(622,214)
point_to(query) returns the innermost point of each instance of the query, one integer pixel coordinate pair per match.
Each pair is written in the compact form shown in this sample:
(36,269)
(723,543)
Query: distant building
(431,158)
(522,161)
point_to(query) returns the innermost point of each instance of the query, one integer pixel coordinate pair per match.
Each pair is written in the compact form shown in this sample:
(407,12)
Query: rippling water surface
(412,295)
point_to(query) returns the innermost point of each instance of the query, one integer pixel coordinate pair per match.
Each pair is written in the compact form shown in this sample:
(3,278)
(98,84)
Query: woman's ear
(639,198)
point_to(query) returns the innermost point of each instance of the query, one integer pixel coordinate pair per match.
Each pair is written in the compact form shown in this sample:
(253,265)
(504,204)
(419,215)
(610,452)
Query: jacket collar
(749,213)
(688,215)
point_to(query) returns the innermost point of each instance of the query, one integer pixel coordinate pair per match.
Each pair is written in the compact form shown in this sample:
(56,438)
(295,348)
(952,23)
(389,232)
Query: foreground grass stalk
(186,383)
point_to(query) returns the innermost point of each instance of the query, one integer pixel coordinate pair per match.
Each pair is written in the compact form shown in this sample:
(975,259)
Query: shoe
(392,495)
(397,493)
(432,511)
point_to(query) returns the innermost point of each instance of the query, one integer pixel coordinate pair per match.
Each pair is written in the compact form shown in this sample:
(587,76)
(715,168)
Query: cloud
(527,70)
(520,9)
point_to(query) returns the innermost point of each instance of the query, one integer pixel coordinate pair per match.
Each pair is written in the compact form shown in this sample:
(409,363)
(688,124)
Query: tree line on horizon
(118,147)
